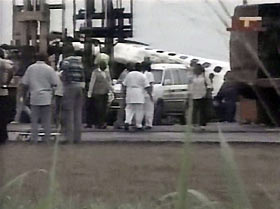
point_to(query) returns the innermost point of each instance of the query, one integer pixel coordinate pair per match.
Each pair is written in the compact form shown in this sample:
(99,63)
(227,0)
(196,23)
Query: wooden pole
(74,18)
(63,20)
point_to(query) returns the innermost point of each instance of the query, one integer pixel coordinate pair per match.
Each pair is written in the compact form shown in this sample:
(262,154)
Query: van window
(217,69)
(176,76)
(157,75)
(167,77)
(183,57)
(184,76)
(206,64)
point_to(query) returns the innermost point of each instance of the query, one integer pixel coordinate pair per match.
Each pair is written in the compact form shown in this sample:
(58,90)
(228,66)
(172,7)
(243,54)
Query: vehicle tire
(158,113)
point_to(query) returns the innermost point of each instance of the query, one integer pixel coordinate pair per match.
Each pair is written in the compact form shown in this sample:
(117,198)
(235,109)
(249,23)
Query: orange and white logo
(246,24)
(248,20)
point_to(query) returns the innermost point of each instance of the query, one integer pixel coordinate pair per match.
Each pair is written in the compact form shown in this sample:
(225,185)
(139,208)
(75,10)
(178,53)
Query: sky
(182,26)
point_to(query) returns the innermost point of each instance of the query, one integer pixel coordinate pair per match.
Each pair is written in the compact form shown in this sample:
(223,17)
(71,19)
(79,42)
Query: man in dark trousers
(226,99)
(99,87)
(5,77)
(73,79)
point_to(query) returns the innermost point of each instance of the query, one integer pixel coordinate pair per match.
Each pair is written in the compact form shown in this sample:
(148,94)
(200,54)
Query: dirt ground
(131,173)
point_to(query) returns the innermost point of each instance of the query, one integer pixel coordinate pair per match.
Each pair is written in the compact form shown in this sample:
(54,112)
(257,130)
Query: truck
(255,58)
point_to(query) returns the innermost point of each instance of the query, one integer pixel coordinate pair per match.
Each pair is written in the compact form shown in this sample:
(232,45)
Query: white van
(170,91)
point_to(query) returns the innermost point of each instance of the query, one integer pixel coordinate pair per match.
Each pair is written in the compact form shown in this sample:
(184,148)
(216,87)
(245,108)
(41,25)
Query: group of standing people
(137,90)
(223,105)
(44,82)
(136,102)
(40,81)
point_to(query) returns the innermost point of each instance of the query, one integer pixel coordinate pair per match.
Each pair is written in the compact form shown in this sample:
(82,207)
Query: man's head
(130,66)
(193,62)
(147,59)
(146,65)
(41,57)
(198,69)
(138,67)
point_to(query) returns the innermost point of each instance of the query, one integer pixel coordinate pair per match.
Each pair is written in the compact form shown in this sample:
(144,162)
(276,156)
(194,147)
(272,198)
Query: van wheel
(184,117)
(158,113)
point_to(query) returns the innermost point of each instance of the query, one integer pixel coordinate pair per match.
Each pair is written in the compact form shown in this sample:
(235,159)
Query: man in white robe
(135,85)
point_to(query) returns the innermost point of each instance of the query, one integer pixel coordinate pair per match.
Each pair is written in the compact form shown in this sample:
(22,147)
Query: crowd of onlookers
(53,90)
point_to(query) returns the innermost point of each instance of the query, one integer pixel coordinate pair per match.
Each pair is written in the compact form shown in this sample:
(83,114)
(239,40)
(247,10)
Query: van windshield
(157,75)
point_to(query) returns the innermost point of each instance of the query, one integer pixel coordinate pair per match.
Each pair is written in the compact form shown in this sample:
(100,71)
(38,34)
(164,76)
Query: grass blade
(182,202)
(234,182)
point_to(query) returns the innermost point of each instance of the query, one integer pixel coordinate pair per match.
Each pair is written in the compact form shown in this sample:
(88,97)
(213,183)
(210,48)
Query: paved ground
(233,132)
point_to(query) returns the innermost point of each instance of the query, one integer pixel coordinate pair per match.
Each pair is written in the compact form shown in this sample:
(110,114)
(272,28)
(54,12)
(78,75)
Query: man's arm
(24,85)
(54,79)
(10,75)
(124,93)
(151,81)
(149,90)
(6,66)
(109,79)
(91,83)
(22,91)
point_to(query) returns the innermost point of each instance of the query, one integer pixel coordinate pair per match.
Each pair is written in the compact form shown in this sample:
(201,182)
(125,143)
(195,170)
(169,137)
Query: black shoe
(148,127)
(126,126)
(140,129)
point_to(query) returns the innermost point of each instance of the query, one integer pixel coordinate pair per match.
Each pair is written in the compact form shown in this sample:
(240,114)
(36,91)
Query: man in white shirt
(40,79)
(149,103)
(119,123)
(58,93)
(135,85)
(198,89)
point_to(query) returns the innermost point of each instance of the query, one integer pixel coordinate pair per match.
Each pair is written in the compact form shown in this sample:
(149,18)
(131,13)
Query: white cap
(101,57)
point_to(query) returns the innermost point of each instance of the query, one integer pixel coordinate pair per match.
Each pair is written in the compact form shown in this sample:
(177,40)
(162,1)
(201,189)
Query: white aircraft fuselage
(130,52)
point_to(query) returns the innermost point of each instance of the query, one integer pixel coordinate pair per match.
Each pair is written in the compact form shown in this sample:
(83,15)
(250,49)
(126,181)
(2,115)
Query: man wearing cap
(99,87)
